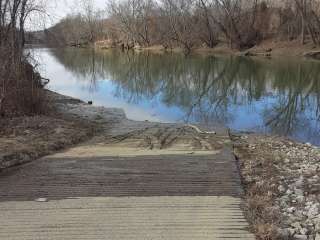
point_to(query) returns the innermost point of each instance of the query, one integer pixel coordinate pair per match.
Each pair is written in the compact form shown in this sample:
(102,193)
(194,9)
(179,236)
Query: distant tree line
(193,23)
(19,83)
(79,28)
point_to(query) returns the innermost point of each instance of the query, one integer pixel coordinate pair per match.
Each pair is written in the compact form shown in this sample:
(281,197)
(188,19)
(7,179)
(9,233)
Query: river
(278,96)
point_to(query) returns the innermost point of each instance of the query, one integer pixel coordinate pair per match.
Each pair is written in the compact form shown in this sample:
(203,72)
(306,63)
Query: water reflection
(278,96)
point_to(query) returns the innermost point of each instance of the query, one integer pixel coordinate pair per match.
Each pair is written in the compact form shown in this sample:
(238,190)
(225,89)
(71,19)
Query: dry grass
(259,176)
(21,90)
(23,139)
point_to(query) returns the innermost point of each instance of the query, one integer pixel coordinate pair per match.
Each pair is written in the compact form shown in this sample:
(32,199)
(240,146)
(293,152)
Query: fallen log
(313,55)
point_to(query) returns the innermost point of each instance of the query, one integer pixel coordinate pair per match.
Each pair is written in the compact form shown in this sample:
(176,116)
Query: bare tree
(92,20)
(236,20)
(135,20)
(192,23)
(209,30)
(310,19)
(19,83)
(181,22)
(82,27)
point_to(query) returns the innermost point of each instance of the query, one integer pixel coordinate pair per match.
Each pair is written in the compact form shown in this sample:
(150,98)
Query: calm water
(270,96)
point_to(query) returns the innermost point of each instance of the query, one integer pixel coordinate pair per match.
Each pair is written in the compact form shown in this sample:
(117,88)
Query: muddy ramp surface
(156,182)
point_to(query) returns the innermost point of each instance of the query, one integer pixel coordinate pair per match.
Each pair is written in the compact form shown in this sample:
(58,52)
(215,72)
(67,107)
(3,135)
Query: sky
(56,10)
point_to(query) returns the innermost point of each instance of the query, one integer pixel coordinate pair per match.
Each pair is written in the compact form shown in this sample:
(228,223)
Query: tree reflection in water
(211,89)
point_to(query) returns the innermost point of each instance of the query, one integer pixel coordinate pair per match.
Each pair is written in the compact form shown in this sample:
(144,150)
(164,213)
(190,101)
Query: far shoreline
(266,49)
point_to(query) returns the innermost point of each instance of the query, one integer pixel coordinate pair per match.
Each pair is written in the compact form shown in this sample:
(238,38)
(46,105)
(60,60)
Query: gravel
(295,173)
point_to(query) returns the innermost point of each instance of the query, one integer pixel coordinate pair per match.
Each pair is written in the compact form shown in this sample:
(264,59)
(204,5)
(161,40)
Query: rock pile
(291,173)
(299,189)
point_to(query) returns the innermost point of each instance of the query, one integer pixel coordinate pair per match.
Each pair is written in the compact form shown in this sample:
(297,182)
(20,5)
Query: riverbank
(26,138)
(268,48)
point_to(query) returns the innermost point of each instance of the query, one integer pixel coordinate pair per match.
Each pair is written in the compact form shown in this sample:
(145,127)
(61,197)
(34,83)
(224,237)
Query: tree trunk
(2,114)
(303,22)
(303,33)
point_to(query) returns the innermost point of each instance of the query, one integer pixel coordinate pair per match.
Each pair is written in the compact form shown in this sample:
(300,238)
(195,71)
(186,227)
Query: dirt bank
(23,139)
(282,184)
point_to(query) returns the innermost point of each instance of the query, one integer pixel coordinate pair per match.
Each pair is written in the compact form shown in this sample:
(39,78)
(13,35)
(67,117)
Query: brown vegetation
(20,85)
(23,139)
(190,24)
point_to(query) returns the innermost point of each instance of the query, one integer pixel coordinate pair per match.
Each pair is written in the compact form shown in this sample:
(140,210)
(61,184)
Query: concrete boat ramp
(136,180)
